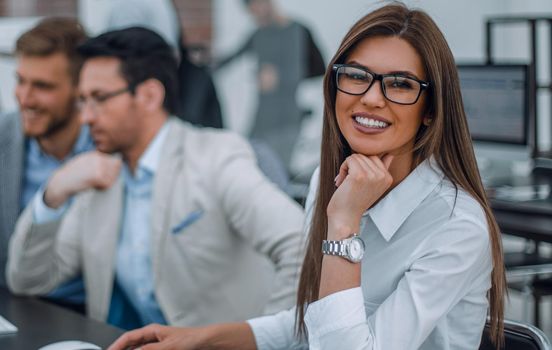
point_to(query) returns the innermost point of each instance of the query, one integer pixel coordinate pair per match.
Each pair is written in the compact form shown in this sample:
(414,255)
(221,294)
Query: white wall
(10,30)
(93,15)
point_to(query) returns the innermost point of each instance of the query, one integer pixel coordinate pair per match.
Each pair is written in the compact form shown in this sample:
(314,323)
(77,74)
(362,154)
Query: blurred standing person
(286,54)
(46,131)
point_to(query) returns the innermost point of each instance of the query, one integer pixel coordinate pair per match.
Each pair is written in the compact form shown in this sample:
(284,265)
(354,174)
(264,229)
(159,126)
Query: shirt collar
(83,144)
(392,210)
(150,159)
(34,149)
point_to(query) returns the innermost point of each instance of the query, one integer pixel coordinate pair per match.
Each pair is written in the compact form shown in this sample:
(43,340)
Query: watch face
(356,249)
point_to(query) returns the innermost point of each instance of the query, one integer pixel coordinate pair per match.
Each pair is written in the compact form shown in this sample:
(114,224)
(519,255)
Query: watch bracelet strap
(333,248)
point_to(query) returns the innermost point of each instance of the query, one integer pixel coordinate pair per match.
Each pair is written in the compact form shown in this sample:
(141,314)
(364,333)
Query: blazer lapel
(100,240)
(170,165)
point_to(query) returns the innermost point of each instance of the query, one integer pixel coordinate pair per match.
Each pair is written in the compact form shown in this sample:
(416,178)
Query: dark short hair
(54,35)
(144,55)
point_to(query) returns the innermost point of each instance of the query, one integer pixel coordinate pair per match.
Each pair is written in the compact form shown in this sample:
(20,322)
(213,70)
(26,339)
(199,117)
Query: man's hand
(88,170)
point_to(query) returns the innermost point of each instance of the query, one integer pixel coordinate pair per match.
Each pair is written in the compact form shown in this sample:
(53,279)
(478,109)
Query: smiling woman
(391,113)
(432,181)
(403,251)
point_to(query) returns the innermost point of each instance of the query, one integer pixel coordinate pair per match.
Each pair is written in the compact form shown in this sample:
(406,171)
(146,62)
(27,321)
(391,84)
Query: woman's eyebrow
(404,72)
(401,72)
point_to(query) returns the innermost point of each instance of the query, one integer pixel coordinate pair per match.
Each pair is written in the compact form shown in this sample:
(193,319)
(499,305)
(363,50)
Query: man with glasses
(186,231)
(46,132)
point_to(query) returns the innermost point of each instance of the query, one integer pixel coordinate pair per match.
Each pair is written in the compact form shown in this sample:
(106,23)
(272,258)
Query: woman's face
(371,124)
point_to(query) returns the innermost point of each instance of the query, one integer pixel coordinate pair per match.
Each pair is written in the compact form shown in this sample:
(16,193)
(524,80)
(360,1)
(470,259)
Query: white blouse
(425,275)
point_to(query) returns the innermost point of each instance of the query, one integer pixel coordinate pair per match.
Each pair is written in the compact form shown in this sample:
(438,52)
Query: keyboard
(6,327)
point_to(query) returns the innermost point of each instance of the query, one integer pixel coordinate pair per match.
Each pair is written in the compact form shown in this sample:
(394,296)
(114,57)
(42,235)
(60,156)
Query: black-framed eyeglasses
(397,88)
(95,101)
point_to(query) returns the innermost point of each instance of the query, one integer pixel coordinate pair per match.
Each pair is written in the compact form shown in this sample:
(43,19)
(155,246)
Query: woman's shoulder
(445,199)
(459,199)
(460,212)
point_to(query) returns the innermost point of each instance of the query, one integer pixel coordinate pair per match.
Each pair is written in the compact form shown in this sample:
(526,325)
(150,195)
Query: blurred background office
(216,28)
(521,33)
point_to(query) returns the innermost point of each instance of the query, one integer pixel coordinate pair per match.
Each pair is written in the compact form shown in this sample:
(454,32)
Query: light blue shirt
(39,166)
(134,271)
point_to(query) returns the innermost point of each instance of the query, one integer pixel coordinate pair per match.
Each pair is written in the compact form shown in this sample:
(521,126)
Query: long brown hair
(447,139)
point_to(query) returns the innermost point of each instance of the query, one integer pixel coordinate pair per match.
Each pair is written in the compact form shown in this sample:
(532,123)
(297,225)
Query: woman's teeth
(371,123)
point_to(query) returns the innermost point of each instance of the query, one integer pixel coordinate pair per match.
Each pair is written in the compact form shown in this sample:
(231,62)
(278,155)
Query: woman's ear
(150,94)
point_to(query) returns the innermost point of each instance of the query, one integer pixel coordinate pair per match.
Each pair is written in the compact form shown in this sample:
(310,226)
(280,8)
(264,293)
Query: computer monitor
(497,105)
(496,101)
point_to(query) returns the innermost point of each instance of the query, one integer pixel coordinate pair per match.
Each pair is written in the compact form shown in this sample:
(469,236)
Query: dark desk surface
(531,226)
(41,323)
(529,219)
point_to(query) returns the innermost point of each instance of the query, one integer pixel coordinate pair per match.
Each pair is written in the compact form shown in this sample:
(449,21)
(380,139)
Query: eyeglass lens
(96,101)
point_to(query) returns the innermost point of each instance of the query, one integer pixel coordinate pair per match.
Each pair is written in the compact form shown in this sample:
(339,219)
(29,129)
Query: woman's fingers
(371,167)
(343,171)
(137,337)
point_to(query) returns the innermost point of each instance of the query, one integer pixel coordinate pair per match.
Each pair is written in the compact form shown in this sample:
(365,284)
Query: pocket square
(188,220)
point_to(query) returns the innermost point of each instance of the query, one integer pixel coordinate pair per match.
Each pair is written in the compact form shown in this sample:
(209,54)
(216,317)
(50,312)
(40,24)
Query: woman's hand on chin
(361,182)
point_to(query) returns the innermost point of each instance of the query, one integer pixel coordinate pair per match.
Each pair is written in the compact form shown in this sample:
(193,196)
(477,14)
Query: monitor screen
(496,102)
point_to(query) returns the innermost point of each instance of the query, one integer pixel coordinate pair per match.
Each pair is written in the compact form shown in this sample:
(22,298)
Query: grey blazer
(240,258)
(11,174)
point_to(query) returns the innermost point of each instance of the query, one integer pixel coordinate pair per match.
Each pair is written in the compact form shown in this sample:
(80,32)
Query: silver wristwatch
(351,248)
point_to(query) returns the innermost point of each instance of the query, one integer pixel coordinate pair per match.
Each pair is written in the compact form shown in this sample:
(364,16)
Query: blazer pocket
(187,221)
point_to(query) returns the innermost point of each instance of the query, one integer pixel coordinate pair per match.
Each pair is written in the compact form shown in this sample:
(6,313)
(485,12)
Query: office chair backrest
(517,336)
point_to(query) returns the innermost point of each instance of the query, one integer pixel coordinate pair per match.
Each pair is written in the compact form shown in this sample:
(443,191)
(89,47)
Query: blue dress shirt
(39,166)
(134,273)
(133,303)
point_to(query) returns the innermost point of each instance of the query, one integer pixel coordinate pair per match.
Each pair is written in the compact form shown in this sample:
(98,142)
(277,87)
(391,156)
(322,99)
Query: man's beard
(59,124)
